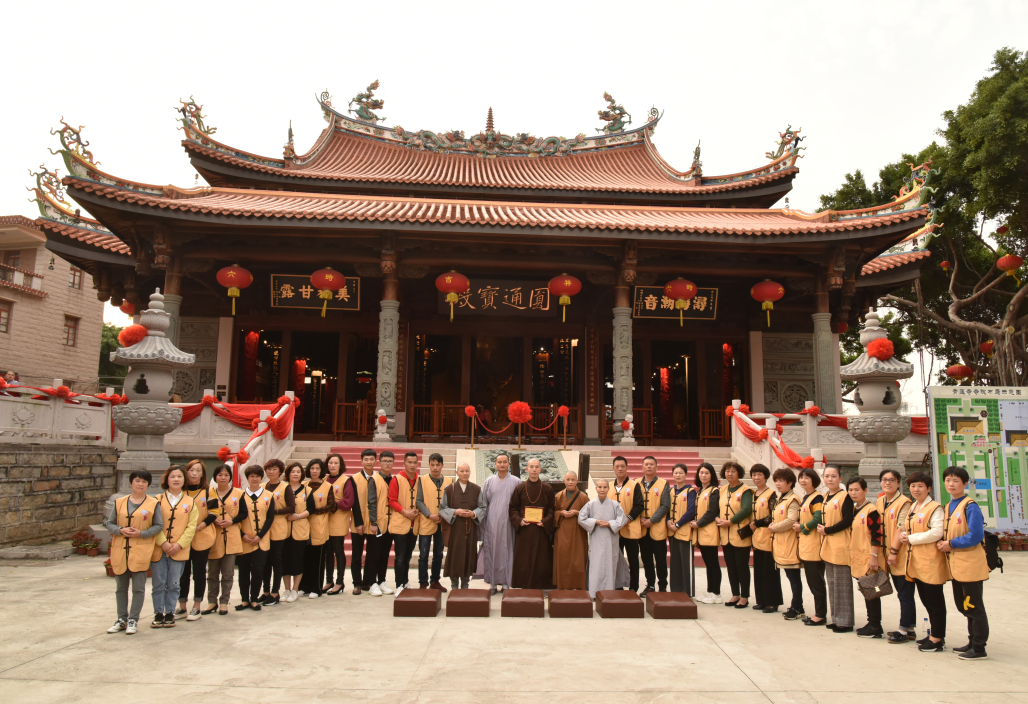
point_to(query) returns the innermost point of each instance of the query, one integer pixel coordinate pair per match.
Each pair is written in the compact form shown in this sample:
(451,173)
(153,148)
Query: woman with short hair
(810,540)
(229,509)
(680,531)
(836,522)
(785,543)
(735,513)
(926,564)
(283,496)
(199,491)
(767,585)
(172,548)
(299,533)
(893,506)
(256,529)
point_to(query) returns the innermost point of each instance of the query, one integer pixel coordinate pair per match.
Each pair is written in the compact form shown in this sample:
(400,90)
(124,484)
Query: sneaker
(973,655)
(400,588)
(273,600)
(385,589)
(962,649)
(313,595)
(158,621)
(900,637)
(169,620)
(180,610)
(290,596)
(646,591)
(130,629)
(264,599)
(375,590)
(118,626)
(194,615)
(870,631)
(927,646)
(793,615)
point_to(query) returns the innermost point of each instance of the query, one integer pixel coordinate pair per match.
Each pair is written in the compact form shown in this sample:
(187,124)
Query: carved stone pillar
(623,339)
(825,360)
(388,336)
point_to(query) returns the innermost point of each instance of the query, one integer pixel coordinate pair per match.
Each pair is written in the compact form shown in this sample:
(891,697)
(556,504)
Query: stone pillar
(623,339)
(388,336)
(173,306)
(825,362)
(173,296)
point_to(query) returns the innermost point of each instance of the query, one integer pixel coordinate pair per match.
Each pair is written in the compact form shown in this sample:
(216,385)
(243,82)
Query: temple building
(391,210)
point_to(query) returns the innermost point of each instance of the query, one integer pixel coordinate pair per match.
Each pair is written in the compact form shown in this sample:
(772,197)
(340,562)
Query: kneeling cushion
(467,602)
(418,602)
(670,605)
(524,603)
(617,603)
(570,603)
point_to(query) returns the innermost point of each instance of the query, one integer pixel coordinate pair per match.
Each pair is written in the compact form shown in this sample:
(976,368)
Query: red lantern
(451,284)
(1002,229)
(327,281)
(960,372)
(841,328)
(987,348)
(1010,263)
(235,278)
(945,266)
(681,292)
(565,287)
(127,308)
(767,292)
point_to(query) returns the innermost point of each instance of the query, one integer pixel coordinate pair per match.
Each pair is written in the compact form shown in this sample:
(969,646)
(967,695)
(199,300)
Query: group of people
(286,531)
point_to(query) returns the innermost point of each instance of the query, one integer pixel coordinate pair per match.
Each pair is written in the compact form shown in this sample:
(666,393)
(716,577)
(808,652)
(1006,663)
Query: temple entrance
(497,376)
(314,378)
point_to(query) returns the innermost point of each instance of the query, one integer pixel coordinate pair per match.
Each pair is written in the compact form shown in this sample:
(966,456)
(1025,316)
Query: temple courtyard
(54,615)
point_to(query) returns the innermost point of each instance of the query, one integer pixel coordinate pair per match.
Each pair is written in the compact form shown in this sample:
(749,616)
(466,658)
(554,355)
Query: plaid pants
(840,593)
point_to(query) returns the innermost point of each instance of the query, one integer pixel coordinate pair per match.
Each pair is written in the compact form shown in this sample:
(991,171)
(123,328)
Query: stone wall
(49,492)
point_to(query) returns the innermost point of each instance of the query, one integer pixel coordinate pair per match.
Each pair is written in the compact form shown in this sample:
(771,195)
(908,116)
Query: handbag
(874,585)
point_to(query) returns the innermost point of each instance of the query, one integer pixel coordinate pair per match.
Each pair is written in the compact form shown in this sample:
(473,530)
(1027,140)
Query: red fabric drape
(245,415)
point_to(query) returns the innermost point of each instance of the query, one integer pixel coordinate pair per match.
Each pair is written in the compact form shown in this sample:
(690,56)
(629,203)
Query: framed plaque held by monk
(533,514)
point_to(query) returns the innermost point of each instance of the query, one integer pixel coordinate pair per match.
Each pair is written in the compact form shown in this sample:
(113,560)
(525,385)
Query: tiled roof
(18,220)
(103,240)
(348,157)
(285,204)
(891,261)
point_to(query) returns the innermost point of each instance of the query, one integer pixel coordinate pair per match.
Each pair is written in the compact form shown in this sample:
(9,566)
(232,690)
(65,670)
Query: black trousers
(335,560)
(292,557)
(796,587)
(654,559)
(933,598)
(737,560)
(356,559)
(377,564)
(681,565)
(273,567)
(767,583)
(874,611)
(815,575)
(404,544)
(311,580)
(251,573)
(630,546)
(968,598)
(713,566)
(196,566)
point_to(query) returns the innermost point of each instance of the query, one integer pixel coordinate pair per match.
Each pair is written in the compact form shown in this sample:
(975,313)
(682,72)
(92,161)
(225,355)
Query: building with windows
(391,210)
(50,318)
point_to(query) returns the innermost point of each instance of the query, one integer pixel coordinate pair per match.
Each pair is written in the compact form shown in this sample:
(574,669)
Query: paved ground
(53,648)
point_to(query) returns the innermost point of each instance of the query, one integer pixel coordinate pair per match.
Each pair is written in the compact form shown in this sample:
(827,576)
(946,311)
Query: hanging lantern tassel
(326,295)
(768,306)
(451,298)
(565,301)
(681,305)
(233,293)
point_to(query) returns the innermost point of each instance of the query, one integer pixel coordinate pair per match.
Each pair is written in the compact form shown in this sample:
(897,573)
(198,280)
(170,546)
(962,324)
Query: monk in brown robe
(570,541)
(463,507)
(533,554)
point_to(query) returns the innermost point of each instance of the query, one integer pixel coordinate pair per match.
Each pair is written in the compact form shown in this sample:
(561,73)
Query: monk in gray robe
(463,507)
(496,561)
(602,518)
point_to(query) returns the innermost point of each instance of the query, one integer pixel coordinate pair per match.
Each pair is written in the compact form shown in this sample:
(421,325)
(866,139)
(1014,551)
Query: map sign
(984,429)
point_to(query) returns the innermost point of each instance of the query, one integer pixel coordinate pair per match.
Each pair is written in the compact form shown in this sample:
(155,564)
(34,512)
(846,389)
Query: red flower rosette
(519,412)
(382,420)
(469,411)
(563,411)
(625,425)
(882,349)
(131,335)
(242,456)
(223,454)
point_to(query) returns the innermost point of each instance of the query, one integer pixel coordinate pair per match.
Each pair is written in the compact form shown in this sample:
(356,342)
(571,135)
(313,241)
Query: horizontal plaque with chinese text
(494,297)
(296,291)
(650,302)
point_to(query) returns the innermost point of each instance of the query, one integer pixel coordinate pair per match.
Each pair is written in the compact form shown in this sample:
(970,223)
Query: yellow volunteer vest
(785,545)
(709,534)
(836,547)
(279,524)
(339,522)
(133,554)
(925,562)
(679,505)
(319,521)
(860,543)
(965,564)
(625,496)
(762,509)
(383,511)
(651,502)
(203,538)
(175,522)
(406,496)
(731,504)
(890,527)
(432,498)
(360,485)
(810,544)
(300,529)
(227,541)
(256,518)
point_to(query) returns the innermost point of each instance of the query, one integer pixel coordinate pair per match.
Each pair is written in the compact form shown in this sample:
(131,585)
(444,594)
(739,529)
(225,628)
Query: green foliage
(110,374)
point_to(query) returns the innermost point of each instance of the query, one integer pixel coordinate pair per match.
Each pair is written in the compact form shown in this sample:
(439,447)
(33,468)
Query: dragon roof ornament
(193,118)
(616,117)
(71,141)
(50,199)
(366,103)
(787,141)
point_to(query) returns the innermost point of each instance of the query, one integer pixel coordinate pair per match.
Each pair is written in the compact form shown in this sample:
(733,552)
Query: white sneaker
(400,589)
(130,628)
(375,590)
(715,599)
(385,589)
(313,595)
(118,626)
(299,593)
(293,596)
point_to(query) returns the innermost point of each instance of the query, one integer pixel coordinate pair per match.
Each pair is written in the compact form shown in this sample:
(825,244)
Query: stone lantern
(148,417)
(877,397)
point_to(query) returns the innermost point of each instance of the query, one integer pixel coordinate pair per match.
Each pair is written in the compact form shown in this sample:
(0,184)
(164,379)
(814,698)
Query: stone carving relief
(224,427)
(207,378)
(793,437)
(878,428)
(200,330)
(203,354)
(142,418)
(771,396)
(83,421)
(836,437)
(185,384)
(794,396)
(778,367)
(789,345)
(23,416)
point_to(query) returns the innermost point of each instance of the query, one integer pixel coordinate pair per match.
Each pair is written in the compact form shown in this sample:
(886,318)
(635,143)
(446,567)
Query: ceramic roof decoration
(155,346)
(865,366)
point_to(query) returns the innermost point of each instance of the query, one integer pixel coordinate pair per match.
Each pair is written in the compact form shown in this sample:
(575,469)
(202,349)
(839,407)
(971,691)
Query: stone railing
(52,420)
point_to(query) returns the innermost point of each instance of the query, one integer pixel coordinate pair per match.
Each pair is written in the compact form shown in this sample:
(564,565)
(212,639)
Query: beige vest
(256,518)
(729,506)
(432,497)
(965,564)
(406,496)
(279,524)
(319,521)
(709,534)
(632,530)
(762,509)
(175,522)
(925,562)
(339,522)
(890,527)
(836,547)
(679,505)
(860,543)
(785,545)
(133,554)
(203,538)
(227,541)
(300,529)
(651,502)
(810,544)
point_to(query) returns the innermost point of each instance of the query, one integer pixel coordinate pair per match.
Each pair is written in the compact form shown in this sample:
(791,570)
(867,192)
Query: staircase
(691,457)
(306,450)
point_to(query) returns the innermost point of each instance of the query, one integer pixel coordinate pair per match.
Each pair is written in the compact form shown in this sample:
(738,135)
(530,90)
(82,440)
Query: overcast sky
(866,81)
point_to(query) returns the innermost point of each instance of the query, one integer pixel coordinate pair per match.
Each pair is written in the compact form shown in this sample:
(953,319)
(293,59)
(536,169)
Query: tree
(849,342)
(110,373)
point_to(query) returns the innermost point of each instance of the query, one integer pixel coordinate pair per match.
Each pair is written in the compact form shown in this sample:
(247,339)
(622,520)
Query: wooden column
(826,348)
(465,369)
(285,367)
(527,372)
(172,295)
(647,374)
(342,373)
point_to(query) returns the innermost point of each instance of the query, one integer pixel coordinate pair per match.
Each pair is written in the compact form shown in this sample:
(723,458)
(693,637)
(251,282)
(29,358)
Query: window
(75,278)
(5,316)
(13,258)
(71,330)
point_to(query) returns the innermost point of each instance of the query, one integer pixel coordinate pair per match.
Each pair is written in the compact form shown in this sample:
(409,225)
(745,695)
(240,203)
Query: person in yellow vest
(171,550)
(893,505)
(376,531)
(680,530)
(299,534)
(926,565)
(339,521)
(810,540)
(432,531)
(653,543)
(963,544)
(628,493)
(199,490)
(358,534)
(403,525)
(274,472)
(836,522)
(705,530)
(785,542)
(228,509)
(767,584)
(735,512)
(256,535)
(134,524)
(320,505)
(866,550)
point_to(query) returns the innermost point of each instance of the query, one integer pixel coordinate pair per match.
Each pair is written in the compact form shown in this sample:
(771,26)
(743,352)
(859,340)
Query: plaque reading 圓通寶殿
(496,297)
(650,302)
(296,291)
